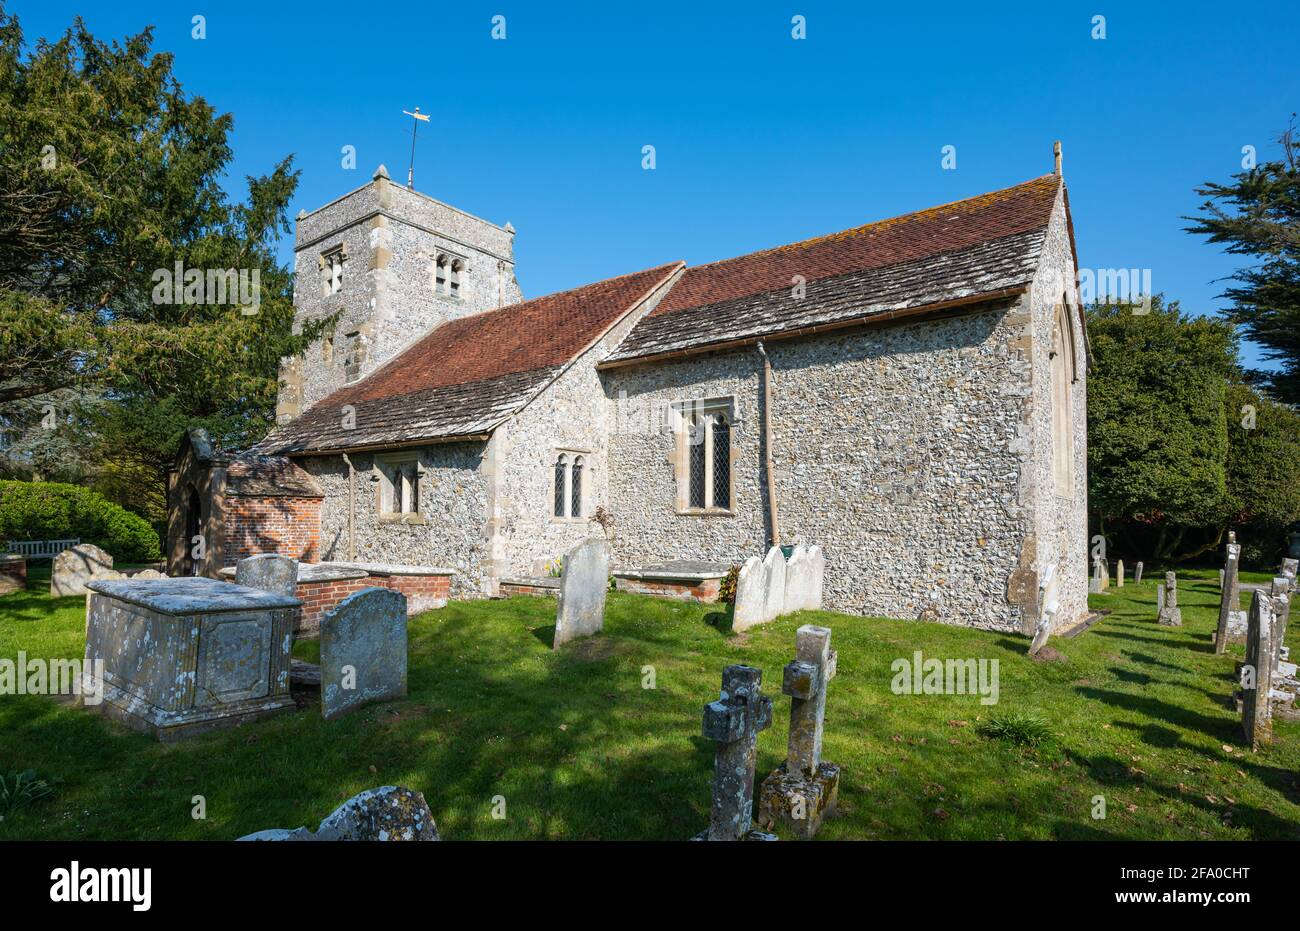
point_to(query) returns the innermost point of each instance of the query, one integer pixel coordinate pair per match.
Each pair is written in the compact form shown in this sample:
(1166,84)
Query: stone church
(908,394)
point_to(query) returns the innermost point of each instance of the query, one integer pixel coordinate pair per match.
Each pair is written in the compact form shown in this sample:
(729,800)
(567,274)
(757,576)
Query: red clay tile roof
(466,375)
(969,247)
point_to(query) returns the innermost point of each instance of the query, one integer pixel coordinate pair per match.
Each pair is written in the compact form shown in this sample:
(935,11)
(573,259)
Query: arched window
(721,461)
(457,266)
(561,482)
(696,437)
(440,275)
(575,484)
(1062,401)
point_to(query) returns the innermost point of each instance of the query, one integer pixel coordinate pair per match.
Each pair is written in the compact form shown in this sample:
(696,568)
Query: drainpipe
(352,509)
(767,443)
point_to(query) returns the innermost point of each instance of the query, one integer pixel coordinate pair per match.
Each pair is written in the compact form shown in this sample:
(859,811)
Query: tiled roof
(468,374)
(982,245)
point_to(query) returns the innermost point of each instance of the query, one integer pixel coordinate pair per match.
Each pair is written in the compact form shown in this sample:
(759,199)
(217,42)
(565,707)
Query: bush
(727,591)
(18,790)
(53,511)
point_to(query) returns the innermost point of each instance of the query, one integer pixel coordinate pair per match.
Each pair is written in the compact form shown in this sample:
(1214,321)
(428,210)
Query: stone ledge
(193,595)
(675,571)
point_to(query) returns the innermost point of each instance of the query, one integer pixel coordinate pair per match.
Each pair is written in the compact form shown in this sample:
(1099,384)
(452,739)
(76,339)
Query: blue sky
(760,139)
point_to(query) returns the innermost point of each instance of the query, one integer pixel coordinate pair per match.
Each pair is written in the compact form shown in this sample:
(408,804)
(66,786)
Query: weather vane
(420,118)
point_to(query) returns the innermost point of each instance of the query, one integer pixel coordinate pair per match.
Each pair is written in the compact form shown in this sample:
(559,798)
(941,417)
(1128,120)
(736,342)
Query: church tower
(393,264)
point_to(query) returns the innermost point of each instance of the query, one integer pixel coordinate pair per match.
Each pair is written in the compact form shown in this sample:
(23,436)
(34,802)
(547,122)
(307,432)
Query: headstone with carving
(1280,591)
(803,790)
(362,651)
(270,572)
(1170,615)
(751,595)
(1228,596)
(389,813)
(774,570)
(73,568)
(1137,573)
(584,580)
(733,723)
(184,655)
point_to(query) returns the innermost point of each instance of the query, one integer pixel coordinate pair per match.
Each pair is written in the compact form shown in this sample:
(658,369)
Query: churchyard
(508,738)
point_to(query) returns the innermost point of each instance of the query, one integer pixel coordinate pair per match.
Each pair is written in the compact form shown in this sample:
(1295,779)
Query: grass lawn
(579,749)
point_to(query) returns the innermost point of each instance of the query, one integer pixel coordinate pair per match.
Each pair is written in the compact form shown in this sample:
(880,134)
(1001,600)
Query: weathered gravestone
(733,722)
(1169,614)
(145,574)
(580,609)
(1100,577)
(1257,672)
(819,577)
(389,813)
(13,573)
(1288,570)
(804,789)
(73,568)
(1280,592)
(1137,573)
(798,580)
(1228,596)
(751,595)
(774,570)
(1119,573)
(1049,605)
(362,651)
(183,655)
(269,572)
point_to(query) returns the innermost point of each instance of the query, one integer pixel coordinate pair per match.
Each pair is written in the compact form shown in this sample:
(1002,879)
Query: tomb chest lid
(192,595)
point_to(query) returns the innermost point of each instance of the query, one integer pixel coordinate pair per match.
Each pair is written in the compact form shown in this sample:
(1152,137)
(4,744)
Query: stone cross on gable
(733,721)
(805,680)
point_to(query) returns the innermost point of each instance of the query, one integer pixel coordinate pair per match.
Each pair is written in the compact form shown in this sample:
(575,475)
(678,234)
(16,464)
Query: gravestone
(774,570)
(1170,615)
(389,813)
(269,572)
(1288,570)
(1049,605)
(798,580)
(1137,573)
(1228,597)
(144,574)
(73,568)
(804,789)
(362,651)
(584,580)
(184,655)
(1119,573)
(1257,672)
(1280,592)
(1100,578)
(13,573)
(733,723)
(819,577)
(751,595)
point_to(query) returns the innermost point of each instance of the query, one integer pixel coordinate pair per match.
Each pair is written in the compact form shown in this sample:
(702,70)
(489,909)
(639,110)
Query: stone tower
(393,263)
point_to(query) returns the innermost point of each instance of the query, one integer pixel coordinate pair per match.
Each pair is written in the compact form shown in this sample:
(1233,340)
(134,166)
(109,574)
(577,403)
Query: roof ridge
(824,237)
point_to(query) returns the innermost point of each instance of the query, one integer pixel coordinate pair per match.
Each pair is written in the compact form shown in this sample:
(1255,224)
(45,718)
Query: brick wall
(705,592)
(284,525)
(510,589)
(422,592)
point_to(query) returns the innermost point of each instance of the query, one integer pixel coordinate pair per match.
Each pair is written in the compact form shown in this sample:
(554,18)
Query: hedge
(54,511)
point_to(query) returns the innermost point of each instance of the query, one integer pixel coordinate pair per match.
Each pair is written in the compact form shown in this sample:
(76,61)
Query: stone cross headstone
(584,581)
(819,577)
(362,651)
(803,790)
(751,595)
(1137,573)
(1119,574)
(73,568)
(733,723)
(1257,672)
(269,572)
(1169,614)
(774,568)
(1228,597)
(798,580)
